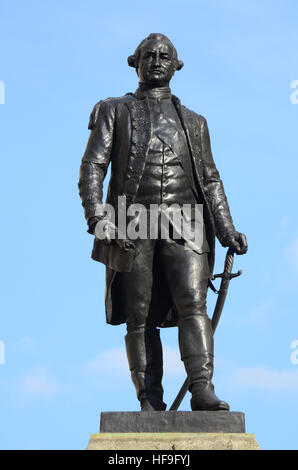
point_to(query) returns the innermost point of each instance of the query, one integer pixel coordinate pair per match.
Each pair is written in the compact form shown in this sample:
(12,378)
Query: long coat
(120,135)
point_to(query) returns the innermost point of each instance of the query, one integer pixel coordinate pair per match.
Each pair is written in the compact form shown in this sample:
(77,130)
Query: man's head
(155,60)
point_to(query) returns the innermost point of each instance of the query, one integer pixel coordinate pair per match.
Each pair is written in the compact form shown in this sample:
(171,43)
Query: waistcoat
(167,176)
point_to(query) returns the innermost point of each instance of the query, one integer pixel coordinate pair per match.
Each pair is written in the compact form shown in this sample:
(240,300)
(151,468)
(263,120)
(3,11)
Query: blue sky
(63,364)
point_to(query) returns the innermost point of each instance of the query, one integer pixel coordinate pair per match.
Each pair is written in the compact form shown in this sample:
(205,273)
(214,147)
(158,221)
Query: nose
(156,59)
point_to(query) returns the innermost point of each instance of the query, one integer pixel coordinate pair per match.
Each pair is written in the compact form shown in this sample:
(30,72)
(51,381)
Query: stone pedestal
(172,430)
(172,421)
(173,441)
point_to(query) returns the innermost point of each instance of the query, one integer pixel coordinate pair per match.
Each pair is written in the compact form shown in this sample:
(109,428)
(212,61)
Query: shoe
(205,399)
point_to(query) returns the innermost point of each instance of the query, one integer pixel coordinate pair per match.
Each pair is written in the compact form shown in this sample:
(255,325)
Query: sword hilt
(226,275)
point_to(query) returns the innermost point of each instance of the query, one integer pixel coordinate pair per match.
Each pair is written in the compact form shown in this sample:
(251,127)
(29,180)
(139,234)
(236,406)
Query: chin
(156,80)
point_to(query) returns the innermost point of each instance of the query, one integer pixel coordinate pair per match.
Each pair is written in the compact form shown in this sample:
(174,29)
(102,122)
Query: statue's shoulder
(198,118)
(106,105)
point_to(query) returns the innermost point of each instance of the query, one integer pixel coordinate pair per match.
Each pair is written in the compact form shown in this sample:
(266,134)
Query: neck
(162,92)
(153,87)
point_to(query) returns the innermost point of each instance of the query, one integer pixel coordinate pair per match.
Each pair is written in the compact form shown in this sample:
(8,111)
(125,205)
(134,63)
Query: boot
(196,348)
(144,354)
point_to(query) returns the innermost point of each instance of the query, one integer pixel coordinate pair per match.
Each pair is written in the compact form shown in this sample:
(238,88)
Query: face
(157,63)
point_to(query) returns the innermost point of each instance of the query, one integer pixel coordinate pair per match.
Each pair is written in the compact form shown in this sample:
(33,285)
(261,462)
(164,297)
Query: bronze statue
(160,154)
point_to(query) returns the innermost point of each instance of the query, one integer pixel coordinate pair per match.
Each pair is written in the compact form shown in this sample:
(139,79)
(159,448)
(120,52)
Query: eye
(148,55)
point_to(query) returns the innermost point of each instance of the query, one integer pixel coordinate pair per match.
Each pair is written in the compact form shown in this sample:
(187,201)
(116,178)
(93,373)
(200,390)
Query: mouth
(156,72)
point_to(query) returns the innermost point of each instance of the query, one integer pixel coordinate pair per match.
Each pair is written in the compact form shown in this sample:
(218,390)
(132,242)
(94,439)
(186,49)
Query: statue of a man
(160,154)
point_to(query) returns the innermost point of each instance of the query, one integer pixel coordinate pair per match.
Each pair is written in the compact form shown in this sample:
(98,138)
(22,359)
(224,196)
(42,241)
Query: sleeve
(96,159)
(214,189)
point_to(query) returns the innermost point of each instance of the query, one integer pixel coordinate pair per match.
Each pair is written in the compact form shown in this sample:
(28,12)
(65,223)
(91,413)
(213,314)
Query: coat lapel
(192,134)
(140,139)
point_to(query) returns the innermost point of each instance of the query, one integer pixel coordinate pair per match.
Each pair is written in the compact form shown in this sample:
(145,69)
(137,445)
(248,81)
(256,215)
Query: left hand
(237,241)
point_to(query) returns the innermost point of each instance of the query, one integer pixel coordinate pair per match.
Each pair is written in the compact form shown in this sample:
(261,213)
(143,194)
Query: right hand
(106,231)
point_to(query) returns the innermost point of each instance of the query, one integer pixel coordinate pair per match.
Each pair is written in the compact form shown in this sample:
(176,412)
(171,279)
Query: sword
(226,276)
